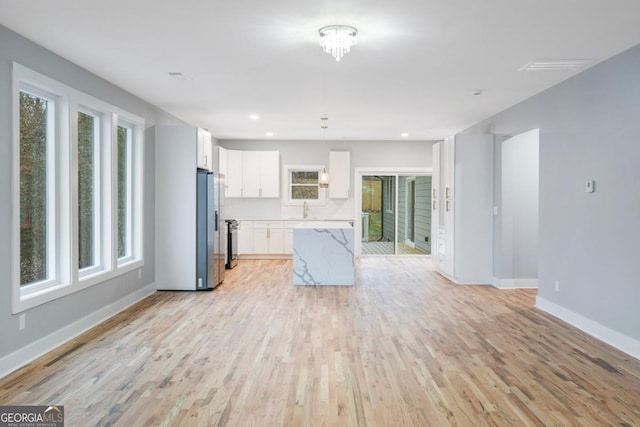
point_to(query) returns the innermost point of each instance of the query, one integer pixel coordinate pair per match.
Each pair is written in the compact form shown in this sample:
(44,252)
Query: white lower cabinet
(268,237)
(245,237)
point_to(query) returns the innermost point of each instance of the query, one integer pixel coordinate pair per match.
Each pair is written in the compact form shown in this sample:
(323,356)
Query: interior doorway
(395,214)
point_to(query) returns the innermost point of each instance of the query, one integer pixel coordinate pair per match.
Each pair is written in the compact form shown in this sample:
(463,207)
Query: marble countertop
(323,224)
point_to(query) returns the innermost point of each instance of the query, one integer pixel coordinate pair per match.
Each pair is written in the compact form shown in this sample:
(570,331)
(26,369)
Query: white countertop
(323,224)
(298,219)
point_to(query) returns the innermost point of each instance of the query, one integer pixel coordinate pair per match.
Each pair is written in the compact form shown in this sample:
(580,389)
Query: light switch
(590,186)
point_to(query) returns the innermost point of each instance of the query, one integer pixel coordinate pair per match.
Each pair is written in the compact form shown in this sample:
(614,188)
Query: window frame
(288,183)
(52,205)
(69,278)
(98,203)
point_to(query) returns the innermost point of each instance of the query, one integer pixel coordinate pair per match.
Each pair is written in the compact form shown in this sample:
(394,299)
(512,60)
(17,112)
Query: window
(304,185)
(77,174)
(37,190)
(124,191)
(88,194)
(388,185)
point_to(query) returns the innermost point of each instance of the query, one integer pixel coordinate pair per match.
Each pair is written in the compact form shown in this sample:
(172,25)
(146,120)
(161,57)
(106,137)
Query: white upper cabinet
(339,174)
(205,150)
(251,174)
(260,174)
(270,174)
(234,173)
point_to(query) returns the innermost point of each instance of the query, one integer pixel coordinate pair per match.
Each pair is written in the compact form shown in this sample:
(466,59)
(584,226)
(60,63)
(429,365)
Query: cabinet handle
(268,233)
(206,162)
(446,193)
(447,205)
(433,204)
(433,192)
(260,192)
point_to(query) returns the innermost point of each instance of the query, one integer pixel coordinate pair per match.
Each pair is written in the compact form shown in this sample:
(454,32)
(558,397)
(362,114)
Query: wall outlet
(557,286)
(23,321)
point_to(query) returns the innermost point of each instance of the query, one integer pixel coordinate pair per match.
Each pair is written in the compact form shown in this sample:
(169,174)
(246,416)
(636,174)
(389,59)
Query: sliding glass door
(396,214)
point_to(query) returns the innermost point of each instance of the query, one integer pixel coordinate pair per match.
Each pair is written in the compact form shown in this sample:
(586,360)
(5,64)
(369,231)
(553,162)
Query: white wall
(590,243)
(518,212)
(382,154)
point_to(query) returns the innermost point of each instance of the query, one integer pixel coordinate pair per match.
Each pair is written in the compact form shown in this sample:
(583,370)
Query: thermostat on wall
(590,186)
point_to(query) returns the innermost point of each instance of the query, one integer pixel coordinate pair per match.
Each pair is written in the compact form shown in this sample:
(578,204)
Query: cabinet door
(200,150)
(251,172)
(269,174)
(339,174)
(276,241)
(234,173)
(261,241)
(222,161)
(207,150)
(245,237)
(435,204)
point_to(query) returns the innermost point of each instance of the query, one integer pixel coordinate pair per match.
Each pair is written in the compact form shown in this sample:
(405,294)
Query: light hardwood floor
(402,347)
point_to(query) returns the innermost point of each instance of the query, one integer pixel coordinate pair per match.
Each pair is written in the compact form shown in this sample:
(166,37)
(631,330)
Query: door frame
(357,199)
(407,183)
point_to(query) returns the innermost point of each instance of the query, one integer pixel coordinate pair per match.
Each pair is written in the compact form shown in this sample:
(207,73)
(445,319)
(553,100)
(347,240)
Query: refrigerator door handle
(216,221)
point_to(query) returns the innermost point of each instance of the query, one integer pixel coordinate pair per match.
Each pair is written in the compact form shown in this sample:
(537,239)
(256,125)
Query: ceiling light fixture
(254,117)
(337,39)
(269,134)
(404,134)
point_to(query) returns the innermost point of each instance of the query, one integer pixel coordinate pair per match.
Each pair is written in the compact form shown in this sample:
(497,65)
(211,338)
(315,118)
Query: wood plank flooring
(403,347)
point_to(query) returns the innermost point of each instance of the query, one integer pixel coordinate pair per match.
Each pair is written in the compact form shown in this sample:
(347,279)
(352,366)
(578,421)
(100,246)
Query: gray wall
(590,243)
(369,154)
(519,217)
(423,213)
(50,317)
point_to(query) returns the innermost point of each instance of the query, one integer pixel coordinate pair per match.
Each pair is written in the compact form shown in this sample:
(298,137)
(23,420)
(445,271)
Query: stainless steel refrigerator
(210,236)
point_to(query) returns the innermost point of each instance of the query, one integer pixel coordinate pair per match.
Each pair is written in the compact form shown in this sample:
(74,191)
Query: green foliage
(123,141)
(86,152)
(33,188)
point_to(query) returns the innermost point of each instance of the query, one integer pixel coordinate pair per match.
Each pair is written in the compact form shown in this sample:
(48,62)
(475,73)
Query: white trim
(64,277)
(28,353)
(286,178)
(614,338)
(514,283)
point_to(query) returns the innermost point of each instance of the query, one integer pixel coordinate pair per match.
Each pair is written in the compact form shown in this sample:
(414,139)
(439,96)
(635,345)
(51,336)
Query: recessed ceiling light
(177,75)
(269,133)
(404,134)
(254,117)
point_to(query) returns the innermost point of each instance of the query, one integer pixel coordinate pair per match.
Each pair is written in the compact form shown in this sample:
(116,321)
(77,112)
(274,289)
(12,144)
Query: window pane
(33,188)
(123,154)
(301,192)
(86,185)
(304,177)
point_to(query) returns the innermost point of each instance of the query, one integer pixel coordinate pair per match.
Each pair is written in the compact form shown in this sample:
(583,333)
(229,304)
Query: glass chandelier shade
(337,39)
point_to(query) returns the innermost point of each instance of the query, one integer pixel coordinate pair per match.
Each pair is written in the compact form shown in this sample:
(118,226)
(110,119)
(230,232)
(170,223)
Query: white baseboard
(30,352)
(614,338)
(515,283)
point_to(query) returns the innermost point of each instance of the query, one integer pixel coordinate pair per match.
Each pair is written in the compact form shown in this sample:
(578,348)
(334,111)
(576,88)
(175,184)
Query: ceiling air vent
(555,64)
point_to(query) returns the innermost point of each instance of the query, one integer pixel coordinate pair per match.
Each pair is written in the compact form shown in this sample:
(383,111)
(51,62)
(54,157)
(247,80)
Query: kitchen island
(323,253)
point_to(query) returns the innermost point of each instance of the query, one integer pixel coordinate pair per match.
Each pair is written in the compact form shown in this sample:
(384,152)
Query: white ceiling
(413,68)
